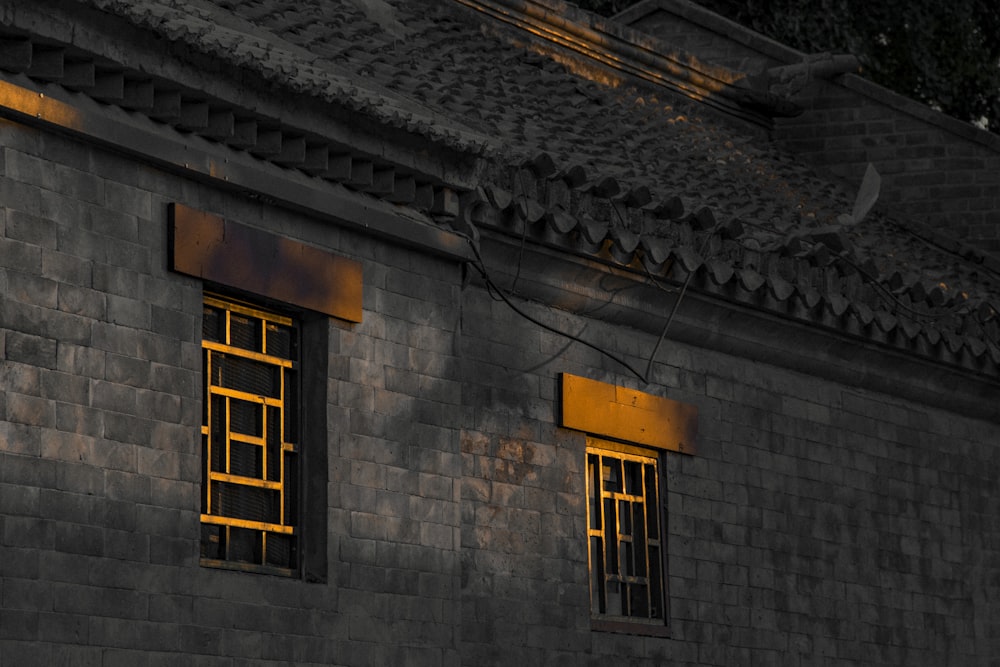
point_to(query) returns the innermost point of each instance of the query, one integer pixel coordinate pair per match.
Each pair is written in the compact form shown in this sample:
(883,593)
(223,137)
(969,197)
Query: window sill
(628,627)
(247,567)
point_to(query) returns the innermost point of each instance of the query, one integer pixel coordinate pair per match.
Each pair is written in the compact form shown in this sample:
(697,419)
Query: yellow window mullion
(206,430)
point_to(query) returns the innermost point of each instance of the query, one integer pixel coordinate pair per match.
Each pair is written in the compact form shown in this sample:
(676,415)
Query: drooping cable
(493,288)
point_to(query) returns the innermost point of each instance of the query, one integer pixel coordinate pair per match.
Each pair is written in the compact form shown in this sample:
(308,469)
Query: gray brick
(21,196)
(80,360)
(66,268)
(82,301)
(129,200)
(79,539)
(127,370)
(127,485)
(112,279)
(110,223)
(32,289)
(126,546)
(80,479)
(29,410)
(128,429)
(159,406)
(31,349)
(175,324)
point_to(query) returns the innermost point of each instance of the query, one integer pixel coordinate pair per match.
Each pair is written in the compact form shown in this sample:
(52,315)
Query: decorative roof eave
(752,330)
(288,67)
(813,281)
(50,107)
(627,52)
(222,85)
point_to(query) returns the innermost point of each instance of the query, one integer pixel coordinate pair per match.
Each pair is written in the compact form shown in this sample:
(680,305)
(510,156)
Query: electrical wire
(493,288)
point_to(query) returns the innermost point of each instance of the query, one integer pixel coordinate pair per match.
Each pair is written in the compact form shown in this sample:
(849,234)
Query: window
(250,439)
(624,531)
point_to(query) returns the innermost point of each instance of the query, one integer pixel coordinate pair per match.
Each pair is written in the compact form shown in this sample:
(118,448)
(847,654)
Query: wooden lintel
(628,415)
(227,253)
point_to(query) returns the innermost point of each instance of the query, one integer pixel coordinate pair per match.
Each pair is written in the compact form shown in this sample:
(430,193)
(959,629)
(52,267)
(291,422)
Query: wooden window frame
(287,483)
(655,566)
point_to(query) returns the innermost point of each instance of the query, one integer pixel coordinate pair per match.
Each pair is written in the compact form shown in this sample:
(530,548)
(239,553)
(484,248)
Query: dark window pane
(213,544)
(245,460)
(291,489)
(291,410)
(640,539)
(653,509)
(252,377)
(638,600)
(593,490)
(655,584)
(612,474)
(625,517)
(213,325)
(633,478)
(610,536)
(245,417)
(280,340)
(245,502)
(217,433)
(279,550)
(597,604)
(273,444)
(244,545)
(244,332)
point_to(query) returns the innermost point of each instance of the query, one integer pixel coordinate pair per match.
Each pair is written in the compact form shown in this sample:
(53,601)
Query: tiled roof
(595,163)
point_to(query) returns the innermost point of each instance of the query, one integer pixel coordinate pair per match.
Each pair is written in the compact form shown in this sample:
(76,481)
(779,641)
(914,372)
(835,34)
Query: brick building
(485,332)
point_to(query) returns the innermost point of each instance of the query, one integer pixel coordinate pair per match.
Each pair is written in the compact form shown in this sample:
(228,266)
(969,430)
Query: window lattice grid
(623,529)
(250,469)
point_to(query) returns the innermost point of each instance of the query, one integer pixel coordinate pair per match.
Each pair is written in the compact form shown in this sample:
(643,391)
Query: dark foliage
(945,53)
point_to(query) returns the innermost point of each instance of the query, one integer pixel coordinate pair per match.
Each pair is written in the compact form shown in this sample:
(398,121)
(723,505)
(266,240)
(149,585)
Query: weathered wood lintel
(628,415)
(209,247)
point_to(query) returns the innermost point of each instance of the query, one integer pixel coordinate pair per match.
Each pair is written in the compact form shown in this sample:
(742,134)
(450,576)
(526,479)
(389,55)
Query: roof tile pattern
(586,161)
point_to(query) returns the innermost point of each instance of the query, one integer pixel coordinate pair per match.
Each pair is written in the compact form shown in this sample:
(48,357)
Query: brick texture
(819,523)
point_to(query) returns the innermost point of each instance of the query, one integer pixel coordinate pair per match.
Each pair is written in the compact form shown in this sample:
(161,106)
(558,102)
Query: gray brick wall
(819,523)
(100,390)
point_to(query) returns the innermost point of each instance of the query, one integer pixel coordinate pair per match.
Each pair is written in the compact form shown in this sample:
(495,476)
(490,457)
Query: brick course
(820,523)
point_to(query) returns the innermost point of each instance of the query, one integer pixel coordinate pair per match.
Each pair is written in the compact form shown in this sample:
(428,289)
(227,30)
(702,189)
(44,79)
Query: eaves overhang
(806,284)
(748,326)
(259,113)
(52,108)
